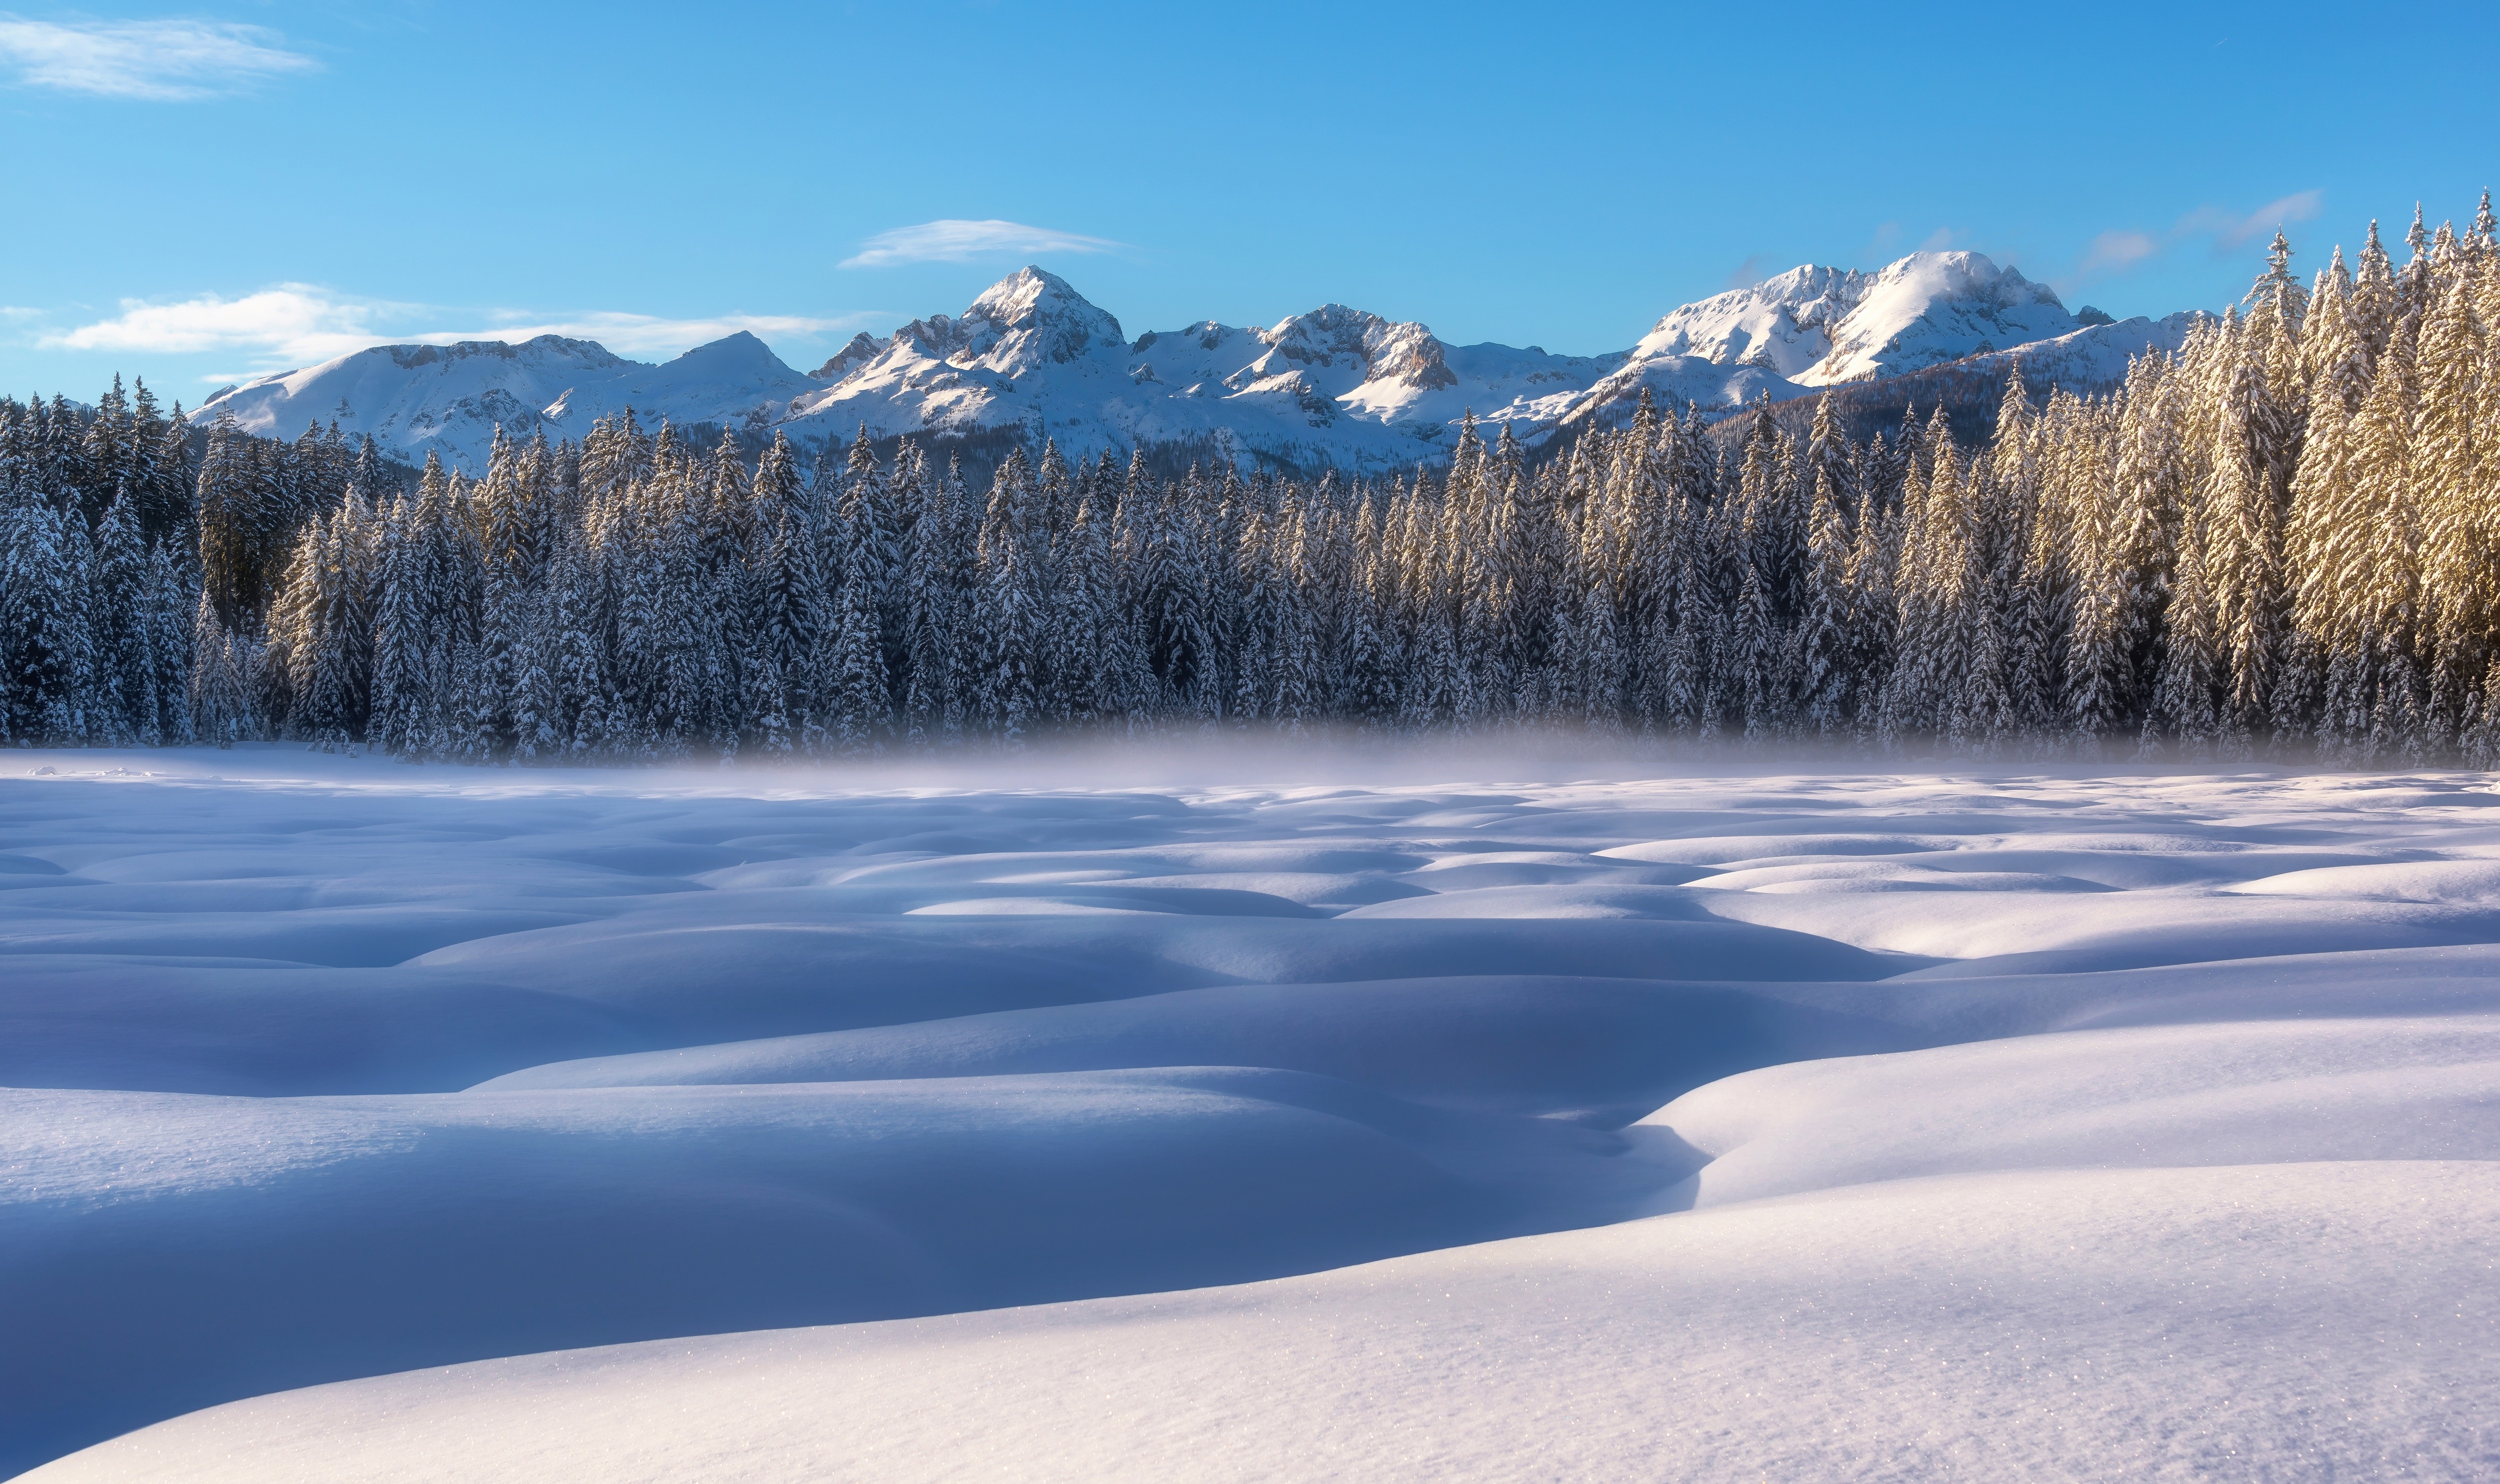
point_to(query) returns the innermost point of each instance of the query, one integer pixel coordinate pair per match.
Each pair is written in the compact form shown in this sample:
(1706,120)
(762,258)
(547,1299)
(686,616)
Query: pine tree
(402,683)
(47,649)
(857,683)
(2461,521)
(125,664)
(220,699)
(1007,608)
(1823,659)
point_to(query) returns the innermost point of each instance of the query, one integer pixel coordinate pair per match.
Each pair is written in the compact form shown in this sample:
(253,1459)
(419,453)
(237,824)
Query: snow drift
(1819,1125)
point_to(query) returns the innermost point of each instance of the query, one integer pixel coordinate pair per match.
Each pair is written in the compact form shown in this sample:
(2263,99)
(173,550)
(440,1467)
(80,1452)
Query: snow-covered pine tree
(117,599)
(1007,608)
(1824,667)
(403,681)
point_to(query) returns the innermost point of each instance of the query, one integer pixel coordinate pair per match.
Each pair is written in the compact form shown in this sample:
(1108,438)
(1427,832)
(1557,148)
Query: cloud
(159,60)
(293,321)
(955,241)
(1746,275)
(301,323)
(2230,233)
(2227,232)
(2114,252)
(647,333)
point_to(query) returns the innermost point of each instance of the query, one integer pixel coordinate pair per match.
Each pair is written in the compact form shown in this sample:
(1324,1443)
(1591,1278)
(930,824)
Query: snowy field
(369,1122)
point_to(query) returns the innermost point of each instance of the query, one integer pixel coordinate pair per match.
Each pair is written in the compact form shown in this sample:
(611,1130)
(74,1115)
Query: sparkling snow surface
(1812,1126)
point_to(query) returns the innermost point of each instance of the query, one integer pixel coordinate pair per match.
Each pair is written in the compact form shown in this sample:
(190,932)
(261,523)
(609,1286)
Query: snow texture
(414,399)
(1818,326)
(1334,386)
(1107,1121)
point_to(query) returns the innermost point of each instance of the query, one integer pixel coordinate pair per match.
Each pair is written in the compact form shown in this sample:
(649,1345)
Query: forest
(2277,543)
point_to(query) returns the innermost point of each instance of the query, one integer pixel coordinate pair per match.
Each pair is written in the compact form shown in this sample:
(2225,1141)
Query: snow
(2095,357)
(1334,386)
(450,399)
(1821,326)
(1208,1115)
(1788,318)
(1931,307)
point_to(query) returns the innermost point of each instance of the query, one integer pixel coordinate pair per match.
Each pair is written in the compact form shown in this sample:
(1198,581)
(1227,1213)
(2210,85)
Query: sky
(197,195)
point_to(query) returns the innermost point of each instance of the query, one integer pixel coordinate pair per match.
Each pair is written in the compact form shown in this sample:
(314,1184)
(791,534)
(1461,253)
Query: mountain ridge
(1032,356)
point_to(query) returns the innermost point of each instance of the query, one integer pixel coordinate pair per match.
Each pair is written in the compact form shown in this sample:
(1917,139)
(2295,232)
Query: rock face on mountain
(1334,386)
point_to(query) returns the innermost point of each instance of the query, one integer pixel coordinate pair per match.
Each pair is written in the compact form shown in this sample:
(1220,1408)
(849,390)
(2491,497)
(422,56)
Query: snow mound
(1821,1124)
(2276,1321)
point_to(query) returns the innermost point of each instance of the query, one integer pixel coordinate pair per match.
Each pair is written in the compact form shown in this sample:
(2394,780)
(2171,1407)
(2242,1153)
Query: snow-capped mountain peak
(1032,318)
(450,399)
(1931,307)
(1818,326)
(862,349)
(1333,385)
(1782,324)
(1406,354)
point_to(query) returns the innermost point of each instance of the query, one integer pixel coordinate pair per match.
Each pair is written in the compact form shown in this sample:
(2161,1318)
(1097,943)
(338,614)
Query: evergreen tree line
(96,581)
(2278,542)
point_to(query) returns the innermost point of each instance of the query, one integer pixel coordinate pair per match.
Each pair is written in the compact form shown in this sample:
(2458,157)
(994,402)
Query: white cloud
(650,335)
(955,241)
(293,321)
(299,324)
(160,61)
(2228,232)
(2231,232)
(2116,252)
(1746,275)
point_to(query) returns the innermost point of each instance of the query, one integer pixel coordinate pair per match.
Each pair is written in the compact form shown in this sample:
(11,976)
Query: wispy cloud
(2116,252)
(299,324)
(293,321)
(2230,232)
(2225,232)
(957,241)
(159,60)
(650,334)
(1746,275)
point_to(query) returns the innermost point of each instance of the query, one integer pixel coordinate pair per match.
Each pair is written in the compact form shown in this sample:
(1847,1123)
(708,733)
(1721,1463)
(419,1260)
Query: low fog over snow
(1212,1115)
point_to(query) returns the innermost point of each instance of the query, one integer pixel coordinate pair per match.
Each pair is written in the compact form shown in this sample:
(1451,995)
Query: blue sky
(204,193)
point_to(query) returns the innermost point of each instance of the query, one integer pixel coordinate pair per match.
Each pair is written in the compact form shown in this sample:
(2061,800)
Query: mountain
(450,397)
(1336,386)
(1332,386)
(2096,355)
(1819,326)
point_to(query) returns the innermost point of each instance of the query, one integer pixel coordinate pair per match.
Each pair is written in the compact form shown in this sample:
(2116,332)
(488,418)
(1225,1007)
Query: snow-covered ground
(1121,1122)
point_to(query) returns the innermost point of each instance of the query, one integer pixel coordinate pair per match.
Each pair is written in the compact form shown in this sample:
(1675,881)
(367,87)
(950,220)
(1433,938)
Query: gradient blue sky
(200,194)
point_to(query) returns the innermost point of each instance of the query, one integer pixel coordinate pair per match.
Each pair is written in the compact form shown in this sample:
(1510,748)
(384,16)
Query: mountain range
(1333,387)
